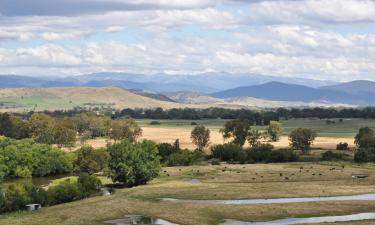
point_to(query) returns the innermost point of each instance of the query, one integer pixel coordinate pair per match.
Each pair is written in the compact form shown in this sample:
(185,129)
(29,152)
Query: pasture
(220,182)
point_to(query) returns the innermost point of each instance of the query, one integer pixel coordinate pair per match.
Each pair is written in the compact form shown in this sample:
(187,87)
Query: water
(364,197)
(136,219)
(324,219)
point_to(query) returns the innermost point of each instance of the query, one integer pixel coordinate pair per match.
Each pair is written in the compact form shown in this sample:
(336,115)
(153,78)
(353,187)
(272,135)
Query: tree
(200,136)
(125,129)
(254,137)
(365,138)
(274,131)
(90,160)
(236,129)
(42,128)
(302,139)
(63,136)
(133,164)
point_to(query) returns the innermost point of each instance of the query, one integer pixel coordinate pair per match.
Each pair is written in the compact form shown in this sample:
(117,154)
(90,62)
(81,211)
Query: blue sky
(317,39)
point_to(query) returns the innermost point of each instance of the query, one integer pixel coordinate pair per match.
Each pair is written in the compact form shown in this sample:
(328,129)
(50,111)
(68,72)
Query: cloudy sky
(321,39)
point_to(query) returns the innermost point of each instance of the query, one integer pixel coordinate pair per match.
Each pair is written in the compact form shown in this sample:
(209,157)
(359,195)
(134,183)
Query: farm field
(223,182)
(328,135)
(346,129)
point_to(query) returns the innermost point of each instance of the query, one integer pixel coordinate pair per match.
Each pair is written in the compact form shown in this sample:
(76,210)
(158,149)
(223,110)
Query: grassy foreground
(219,182)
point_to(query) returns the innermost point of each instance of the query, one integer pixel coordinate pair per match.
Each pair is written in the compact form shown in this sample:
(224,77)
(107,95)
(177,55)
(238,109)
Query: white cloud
(285,38)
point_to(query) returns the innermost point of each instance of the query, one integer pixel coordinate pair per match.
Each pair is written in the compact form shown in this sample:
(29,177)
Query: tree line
(260,117)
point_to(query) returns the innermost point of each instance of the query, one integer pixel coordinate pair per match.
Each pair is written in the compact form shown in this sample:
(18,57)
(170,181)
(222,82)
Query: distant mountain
(278,91)
(13,81)
(204,82)
(353,87)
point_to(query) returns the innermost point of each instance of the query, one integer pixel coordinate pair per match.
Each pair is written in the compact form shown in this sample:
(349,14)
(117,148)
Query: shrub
(88,185)
(165,150)
(329,156)
(365,155)
(90,160)
(185,158)
(342,146)
(25,158)
(63,192)
(228,152)
(193,123)
(259,153)
(155,123)
(133,164)
(282,155)
(215,161)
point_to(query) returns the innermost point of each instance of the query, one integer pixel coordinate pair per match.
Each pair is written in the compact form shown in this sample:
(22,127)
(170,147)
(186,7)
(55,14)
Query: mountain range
(214,88)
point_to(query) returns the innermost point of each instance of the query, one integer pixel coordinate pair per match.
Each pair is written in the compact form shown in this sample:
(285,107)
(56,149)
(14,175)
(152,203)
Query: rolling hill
(19,99)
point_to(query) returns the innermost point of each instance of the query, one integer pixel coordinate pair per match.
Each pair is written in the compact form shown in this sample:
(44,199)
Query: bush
(259,153)
(329,156)
(215,162)
(228,152)
(133,164)
(90,160)
(165,150)
(16,196)
(365,155)
(63,192)
(25,158)
(88,185)
(342,146)
(185,158)
(68,191)
(282,155)
(155,123)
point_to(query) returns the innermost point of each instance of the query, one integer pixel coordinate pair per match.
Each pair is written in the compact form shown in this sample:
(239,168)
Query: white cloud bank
(304,38)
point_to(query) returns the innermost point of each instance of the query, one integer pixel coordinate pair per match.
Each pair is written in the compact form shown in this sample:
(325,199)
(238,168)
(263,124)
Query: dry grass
(169,135)
(218,182)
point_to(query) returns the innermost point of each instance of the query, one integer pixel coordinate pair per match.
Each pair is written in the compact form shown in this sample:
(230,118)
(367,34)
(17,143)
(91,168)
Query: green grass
(218,182)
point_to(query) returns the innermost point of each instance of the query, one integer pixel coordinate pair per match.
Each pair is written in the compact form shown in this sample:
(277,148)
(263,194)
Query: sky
(317,39)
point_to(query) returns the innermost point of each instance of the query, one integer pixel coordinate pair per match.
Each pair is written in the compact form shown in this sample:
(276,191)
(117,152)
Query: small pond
(137,219)
(364,197)
(324,219)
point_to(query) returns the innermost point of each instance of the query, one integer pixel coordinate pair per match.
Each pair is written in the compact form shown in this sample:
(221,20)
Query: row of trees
(259,117)
(64,131)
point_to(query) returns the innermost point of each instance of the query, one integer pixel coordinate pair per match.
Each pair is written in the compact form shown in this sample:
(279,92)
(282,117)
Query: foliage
(343,146)
(125,129)
(67,191)
(365,138)
(302,139)
(88,185)
(274,131)
(200,136)
(90,160)
(154,122)
(237,129)
(133,164)
(228,152)
(259,153)
(14,197)
(254,137)
(365,155)
(185,158)
(166,149)
(23,158)
(330,155)
(282,155)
